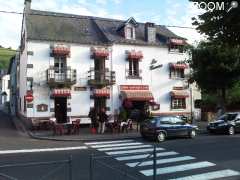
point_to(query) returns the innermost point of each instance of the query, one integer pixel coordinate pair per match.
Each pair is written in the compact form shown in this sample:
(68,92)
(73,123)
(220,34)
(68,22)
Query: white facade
(37,59)
(5,91)
(158,80)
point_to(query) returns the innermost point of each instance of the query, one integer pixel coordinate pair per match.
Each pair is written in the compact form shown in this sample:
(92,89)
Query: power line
(76,17)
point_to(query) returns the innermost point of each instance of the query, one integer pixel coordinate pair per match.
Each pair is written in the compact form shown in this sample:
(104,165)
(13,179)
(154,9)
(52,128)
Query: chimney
(27,4)
(150,32)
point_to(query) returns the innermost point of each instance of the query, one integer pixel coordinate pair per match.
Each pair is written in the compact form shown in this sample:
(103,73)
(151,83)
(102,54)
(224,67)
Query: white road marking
(178,168)
(41,150)
(161,161)
(142,156)
(211,175)
(116,145)
(124,147)
(108,142)
(132,151)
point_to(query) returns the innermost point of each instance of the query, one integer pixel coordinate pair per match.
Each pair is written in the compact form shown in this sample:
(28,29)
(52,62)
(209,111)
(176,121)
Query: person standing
(93,116)
(102,119)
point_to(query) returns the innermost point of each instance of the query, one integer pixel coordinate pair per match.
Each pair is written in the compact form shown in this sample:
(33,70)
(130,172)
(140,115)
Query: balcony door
(60,68)
(60,109)
(99,68)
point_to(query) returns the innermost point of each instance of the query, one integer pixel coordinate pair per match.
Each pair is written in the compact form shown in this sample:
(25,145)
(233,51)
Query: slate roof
(51,26)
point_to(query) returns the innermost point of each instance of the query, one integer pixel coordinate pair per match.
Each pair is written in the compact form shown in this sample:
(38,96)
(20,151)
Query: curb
(84,139)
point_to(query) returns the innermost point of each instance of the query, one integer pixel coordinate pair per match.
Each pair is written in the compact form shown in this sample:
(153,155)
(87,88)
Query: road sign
(29,97)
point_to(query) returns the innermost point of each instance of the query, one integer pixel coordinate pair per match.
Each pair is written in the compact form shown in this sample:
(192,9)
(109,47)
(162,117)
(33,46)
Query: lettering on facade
(133,87)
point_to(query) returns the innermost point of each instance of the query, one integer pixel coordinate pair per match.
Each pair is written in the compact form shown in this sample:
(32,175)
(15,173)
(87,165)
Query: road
(205,157)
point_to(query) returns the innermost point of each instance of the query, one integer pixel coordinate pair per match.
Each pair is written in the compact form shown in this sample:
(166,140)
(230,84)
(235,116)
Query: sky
(164,12)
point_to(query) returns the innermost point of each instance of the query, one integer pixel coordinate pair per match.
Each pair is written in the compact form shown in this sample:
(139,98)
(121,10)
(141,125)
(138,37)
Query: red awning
(135,55)
(61,93)
(178,65)
(137,95)
(179,94)
(104,92)
(177,41)
(60,51)
(100,53)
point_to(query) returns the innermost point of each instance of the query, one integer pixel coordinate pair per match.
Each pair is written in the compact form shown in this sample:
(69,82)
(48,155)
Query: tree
(215,68)
(220,26)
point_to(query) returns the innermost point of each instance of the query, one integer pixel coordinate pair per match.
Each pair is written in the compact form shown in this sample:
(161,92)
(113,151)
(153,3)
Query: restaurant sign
(133,87)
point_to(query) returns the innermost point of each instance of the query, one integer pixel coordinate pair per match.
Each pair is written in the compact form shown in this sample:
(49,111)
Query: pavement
(86,135)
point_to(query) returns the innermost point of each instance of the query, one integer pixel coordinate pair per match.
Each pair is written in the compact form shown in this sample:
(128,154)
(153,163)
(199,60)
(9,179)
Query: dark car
(228,123)
(166,126)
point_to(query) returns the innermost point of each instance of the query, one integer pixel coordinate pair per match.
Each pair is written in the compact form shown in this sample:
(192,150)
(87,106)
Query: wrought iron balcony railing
(63,76)
(102,77)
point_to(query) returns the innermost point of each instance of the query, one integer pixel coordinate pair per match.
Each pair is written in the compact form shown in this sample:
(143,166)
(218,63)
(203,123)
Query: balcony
(64,77)
(101,78)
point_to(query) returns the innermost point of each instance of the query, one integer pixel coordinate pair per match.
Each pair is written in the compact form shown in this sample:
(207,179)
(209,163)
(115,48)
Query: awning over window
(60,50)
(61,93)
(179,94)
(134,55)
(100,53)
(104,92)
(137,95)
(178,65)
(177,41)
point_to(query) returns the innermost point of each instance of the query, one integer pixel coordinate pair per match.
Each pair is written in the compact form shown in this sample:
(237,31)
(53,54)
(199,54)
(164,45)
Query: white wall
(158,80)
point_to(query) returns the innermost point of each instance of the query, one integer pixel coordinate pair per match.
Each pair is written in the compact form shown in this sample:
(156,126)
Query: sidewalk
(86,135)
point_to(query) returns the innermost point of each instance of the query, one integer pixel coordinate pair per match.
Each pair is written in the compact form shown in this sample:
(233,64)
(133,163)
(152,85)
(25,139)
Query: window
(177,73)
(129,33)
(30,85)
(59,64)
(176,48)
(133,68)
(178,103)
(177,121)
(165,120)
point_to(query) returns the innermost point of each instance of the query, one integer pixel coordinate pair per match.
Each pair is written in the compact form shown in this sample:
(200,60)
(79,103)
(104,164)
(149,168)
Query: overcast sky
(164,12)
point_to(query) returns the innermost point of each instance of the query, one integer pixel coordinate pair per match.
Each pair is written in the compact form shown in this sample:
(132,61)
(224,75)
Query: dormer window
(129,33)
(127,29)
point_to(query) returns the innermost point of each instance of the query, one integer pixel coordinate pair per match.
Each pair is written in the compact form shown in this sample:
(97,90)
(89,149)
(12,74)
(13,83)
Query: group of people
(98,119)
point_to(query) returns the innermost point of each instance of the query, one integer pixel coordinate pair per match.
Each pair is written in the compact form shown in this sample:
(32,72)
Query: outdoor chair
(76,126)
(125,126)
(58,129)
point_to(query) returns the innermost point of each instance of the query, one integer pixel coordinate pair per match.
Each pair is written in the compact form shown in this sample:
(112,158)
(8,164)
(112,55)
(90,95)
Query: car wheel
(161,136)
(231,130)
(192,133)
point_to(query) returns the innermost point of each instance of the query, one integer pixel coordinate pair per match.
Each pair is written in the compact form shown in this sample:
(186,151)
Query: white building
(69,63)
(5,92)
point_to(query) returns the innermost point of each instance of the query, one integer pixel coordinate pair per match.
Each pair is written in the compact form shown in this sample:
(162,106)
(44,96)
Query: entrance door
(61,109)
(99,67)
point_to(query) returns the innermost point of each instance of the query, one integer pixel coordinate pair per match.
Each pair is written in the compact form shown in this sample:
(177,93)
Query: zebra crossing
(138,155)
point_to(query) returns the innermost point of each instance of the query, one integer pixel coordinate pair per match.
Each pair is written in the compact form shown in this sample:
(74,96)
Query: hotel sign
(133,87)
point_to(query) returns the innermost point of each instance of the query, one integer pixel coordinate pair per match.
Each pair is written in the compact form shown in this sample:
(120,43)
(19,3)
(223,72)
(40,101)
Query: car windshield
(228,117)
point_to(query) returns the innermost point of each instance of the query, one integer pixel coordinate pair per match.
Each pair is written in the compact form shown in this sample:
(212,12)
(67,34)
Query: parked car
(162,127)
(228,123)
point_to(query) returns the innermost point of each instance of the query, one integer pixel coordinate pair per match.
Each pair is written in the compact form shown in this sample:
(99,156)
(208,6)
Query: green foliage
(5,55)
(219,25)
(215,67)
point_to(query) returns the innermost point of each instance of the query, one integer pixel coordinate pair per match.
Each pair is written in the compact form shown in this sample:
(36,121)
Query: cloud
(102,2)
(186,21)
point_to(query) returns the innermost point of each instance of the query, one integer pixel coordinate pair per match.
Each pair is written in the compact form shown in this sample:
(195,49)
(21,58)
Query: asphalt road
(205,157)
(216,153)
